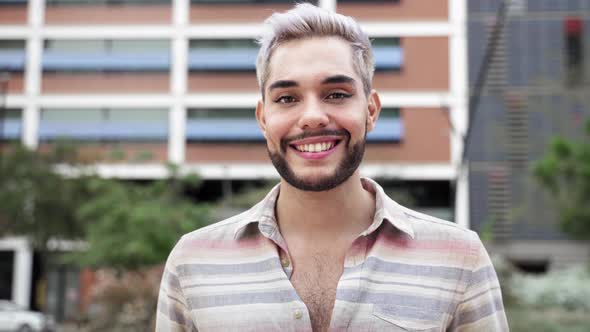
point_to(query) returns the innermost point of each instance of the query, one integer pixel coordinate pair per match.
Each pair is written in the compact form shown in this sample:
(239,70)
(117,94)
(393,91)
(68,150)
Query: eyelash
(331,96)
(281,100)
(340,95)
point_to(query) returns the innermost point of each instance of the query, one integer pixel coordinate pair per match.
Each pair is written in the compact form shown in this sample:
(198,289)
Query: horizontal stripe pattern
(407,272)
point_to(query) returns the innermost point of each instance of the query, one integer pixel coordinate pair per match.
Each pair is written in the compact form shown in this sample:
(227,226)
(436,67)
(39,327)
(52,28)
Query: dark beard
(347,167)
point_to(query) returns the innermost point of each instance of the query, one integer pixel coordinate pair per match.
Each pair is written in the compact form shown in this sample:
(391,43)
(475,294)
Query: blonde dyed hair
(308,21)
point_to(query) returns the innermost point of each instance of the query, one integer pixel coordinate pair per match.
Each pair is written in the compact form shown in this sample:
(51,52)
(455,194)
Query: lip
(316,139)
(315,155)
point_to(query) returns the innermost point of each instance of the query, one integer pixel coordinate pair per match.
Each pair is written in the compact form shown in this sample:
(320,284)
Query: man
(326,250)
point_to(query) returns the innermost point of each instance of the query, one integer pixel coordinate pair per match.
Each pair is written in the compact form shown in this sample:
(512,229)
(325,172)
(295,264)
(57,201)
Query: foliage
(565,172)
(131,225)
(522,318)
(506,272)
(568,289)
(37,202)
(126,225)
(248,198)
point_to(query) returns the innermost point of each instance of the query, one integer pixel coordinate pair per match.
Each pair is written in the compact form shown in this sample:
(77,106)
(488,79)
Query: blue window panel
(388,58)
(11,129)
(244,59)
(229,130)
(12,60)
(231,59)
(103,131)
(12,2)
(387,130)
(115,62)
(223,130)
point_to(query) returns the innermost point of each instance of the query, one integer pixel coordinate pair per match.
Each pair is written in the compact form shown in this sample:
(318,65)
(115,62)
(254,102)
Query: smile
(315,147)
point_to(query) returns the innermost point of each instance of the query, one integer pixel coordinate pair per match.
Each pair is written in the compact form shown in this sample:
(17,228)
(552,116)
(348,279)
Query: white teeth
(317,147)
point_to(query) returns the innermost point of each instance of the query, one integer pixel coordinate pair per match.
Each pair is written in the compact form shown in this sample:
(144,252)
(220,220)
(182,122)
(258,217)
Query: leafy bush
(506,272)
(569,289)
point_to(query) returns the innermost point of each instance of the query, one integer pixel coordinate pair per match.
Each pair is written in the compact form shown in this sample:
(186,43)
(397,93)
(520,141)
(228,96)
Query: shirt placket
(344,311)
(301,320)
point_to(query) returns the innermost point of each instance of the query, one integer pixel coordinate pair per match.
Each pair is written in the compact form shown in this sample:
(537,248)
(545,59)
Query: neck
(346,210)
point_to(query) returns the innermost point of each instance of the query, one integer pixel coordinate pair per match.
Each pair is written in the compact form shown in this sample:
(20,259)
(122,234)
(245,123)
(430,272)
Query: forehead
(311,58)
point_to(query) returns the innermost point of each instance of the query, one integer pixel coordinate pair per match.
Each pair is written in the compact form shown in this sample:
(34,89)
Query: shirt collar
(386,209)
(263,213)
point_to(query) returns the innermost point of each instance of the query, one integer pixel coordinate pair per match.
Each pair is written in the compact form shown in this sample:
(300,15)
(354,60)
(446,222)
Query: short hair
(307,21)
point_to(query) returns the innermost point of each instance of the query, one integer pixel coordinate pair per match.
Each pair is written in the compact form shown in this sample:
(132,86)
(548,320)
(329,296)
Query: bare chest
(315,279)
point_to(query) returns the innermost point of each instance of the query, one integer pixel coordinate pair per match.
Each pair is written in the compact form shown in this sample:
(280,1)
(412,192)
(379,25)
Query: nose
(313,116)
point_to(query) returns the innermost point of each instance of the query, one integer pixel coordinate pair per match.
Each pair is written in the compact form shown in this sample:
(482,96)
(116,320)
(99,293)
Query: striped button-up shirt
(406,272)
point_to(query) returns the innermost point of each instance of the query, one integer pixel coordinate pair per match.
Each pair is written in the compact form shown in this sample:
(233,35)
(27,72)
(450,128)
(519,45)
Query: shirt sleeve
(173,314)
(480,306)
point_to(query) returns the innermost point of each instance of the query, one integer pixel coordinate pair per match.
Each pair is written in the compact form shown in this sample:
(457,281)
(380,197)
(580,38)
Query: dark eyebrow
(338,79)
(282,84)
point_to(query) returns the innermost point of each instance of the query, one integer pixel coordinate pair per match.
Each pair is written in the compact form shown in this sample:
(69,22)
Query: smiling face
(315,114)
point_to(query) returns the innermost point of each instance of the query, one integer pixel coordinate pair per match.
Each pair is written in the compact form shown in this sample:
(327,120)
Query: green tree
(127,227)
(131,229)
(135,225)
(565,172)
(35,200)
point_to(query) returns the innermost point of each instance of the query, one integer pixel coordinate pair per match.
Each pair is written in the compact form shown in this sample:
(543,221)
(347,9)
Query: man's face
(315,115)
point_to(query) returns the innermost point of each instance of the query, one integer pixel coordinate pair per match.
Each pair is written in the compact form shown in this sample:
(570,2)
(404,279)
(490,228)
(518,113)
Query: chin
(317,179)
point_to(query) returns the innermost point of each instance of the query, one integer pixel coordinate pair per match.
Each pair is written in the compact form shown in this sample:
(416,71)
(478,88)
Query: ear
(260,117)
(373,110)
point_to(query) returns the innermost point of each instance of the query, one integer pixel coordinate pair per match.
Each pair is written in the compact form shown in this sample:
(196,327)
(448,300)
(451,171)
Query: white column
(462,196)
(33,74)
(22,275)
(459,113)
(177,115)
(328,4)
(22,271)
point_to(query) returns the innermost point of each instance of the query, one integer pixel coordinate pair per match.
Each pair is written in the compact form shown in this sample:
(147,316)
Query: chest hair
(316,279)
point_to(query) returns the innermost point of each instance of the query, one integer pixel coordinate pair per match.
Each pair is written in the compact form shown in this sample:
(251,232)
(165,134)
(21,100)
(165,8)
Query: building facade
(536,87)
(138,83)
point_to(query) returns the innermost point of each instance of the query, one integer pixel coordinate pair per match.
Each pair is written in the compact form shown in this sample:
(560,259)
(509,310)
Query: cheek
(277,127)
(355,124)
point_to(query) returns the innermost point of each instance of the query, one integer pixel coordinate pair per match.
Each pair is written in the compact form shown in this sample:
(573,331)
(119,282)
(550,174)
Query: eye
(285,100)
(338,96)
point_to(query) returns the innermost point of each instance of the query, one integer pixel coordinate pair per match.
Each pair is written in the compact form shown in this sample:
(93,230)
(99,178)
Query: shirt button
(285,262)
(298,314)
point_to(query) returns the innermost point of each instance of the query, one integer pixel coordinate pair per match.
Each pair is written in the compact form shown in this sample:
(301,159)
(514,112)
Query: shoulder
(444,234)
(208,240)
(221,229)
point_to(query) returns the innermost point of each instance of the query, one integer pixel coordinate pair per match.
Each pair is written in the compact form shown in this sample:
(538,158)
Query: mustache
(316,133)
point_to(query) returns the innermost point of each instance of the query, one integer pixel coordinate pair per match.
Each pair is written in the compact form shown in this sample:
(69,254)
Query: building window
(12,55)
(389,127)
(104,125)
(368,1)
(10,124)
(388,54)
(106,56)
(222,55)
(221,2)
(574,50)
(105,2)
(240,54)
(222,125)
